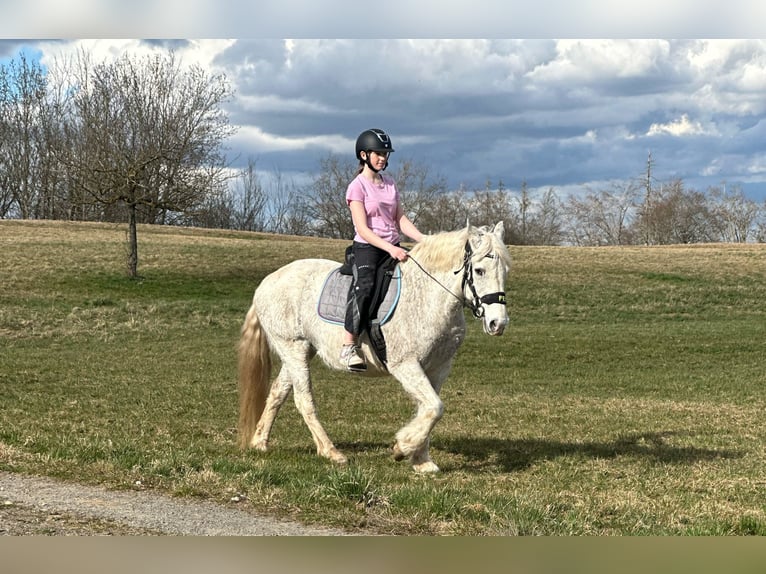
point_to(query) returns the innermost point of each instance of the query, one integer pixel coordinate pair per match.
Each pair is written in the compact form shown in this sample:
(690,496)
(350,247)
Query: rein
(477,304)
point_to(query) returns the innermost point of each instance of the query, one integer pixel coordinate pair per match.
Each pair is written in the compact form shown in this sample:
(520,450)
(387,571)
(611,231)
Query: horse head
(485,269)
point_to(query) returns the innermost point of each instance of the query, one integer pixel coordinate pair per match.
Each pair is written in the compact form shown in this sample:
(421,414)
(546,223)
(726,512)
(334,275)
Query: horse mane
(441,251)
(444,251)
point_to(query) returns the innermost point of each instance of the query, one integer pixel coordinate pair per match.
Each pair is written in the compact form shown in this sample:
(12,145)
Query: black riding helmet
(372,140)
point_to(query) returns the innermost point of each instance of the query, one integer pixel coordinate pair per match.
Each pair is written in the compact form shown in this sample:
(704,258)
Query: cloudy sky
(565,113)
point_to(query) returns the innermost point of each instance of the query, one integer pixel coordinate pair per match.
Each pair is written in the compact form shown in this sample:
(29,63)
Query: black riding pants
(367,259)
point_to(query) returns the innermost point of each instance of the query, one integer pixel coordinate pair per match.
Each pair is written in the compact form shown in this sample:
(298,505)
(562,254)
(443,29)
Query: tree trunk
(132,242)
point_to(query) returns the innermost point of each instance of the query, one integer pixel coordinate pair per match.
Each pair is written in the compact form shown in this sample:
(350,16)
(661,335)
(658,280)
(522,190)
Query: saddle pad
(332,300)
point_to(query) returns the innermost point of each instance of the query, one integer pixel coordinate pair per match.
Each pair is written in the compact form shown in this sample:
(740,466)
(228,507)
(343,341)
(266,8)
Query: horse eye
(479,272)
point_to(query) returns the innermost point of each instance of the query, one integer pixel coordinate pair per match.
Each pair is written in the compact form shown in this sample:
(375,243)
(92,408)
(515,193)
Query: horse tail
(254,367)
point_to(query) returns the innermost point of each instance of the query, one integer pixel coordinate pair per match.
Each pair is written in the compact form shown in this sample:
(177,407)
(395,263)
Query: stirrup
(352,358)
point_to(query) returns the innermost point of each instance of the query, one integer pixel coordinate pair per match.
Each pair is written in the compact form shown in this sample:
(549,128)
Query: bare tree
(294,214)
(760,224)
(523,211)
(417,189)
(528,220)
(645,224)
(326,198)
(145,137)
(447,212)
(249,200)
(546,223)
(7,197)
(679,215)
(216,211)
(488,206)
(23,157)
(734,215)
(288,208)
(602,217)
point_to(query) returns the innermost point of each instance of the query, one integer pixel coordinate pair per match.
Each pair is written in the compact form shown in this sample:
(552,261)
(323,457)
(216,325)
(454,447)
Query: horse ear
(499,231)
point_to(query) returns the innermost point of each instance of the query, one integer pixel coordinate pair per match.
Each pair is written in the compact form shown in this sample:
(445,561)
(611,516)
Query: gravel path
(41,506)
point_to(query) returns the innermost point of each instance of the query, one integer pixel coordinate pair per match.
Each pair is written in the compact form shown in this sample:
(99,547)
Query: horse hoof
(398,454)
(337,457)
(260,445)
(427,467)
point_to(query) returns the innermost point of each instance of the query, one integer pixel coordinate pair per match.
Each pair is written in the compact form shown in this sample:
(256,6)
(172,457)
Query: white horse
(445,271)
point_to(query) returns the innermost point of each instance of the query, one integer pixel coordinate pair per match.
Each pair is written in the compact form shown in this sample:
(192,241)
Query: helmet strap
(368,164)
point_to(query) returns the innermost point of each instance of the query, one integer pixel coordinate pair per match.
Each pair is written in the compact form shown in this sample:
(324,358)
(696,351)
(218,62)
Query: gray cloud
(553,113)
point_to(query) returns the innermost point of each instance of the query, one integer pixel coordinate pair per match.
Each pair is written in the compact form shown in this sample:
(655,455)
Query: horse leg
(412,440)
(304,402)
(421,458)
(280,389)
(296,356)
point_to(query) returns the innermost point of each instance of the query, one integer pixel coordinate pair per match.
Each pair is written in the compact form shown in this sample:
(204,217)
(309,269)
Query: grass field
(625,398)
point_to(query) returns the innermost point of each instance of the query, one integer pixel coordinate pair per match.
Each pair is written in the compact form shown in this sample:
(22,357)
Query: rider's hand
(399,254)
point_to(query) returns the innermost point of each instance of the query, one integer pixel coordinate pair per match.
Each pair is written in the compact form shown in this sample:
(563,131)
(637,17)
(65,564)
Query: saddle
(333,297)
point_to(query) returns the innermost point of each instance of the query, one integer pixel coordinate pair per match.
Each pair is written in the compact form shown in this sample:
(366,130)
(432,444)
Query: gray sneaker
(352,358)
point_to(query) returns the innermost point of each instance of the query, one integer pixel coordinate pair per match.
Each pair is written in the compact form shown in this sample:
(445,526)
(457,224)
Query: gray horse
(445,271)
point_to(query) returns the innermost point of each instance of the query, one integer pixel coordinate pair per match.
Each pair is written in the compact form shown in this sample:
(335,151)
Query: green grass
(625,398)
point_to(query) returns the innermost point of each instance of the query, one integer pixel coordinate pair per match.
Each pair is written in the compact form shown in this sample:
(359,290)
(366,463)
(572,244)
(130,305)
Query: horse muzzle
(494,326)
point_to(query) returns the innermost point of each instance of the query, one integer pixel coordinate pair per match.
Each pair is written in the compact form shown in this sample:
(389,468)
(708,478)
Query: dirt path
(41,506)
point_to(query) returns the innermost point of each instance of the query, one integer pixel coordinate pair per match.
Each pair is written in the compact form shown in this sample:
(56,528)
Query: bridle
(476,303)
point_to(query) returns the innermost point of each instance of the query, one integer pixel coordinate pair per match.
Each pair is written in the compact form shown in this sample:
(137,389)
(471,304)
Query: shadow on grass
(517,454)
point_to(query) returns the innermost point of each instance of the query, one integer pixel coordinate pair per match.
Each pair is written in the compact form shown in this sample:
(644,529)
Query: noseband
(476,305)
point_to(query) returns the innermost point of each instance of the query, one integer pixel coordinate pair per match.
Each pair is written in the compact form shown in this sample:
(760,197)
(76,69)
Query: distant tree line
(141,140)
(623,213)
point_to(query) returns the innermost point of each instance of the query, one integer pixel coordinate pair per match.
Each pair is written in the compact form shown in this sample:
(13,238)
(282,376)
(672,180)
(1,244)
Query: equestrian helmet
(373,140)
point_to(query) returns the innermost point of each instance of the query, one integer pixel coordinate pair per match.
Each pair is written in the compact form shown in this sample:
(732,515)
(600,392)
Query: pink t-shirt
(380,204)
